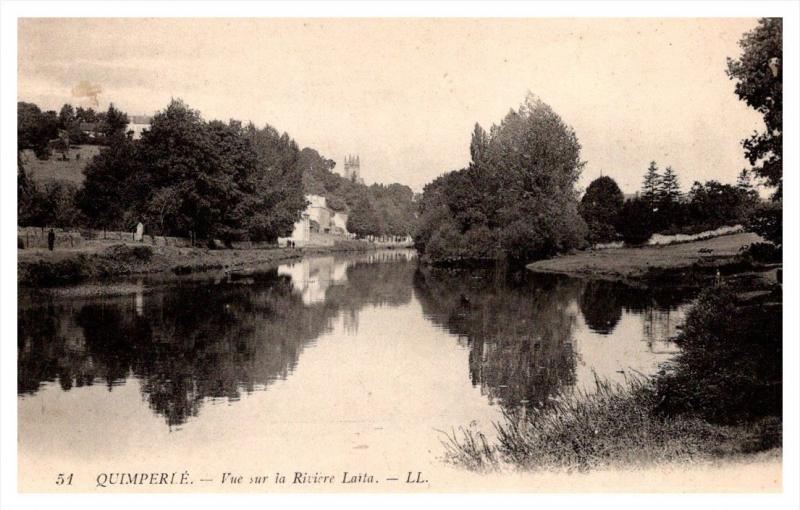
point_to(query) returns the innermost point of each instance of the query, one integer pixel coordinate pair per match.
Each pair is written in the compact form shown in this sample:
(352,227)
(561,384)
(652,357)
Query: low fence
(659,239)
(36,237)
(664,240)
(314,239)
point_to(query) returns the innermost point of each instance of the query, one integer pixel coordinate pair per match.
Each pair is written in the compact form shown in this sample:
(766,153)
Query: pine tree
(651,184)
(669,189)
(744,182)
(748,196)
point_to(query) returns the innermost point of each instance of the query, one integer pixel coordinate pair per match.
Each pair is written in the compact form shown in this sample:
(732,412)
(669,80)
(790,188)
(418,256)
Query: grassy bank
(615,426)
(695,258)
(42,268)
(720,397)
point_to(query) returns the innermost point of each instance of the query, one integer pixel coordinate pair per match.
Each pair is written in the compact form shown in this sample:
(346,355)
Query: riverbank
(719,398)
(692,260)
(100,261)
(615,427)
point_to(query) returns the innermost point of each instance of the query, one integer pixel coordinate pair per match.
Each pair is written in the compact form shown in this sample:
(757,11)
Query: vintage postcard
(400,255)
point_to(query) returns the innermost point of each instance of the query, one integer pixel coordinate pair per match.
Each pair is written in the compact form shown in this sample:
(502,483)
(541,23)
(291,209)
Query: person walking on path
(51,239)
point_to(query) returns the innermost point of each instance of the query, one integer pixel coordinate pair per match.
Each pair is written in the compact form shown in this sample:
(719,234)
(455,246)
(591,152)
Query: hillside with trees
(374,210)
(187,177)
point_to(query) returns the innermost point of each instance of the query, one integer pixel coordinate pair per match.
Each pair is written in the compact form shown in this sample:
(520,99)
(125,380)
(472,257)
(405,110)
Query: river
(328,364)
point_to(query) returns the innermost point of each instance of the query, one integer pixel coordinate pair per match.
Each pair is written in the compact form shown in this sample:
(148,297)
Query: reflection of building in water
(350,322)
(311,277)
(139,299)
(661,325)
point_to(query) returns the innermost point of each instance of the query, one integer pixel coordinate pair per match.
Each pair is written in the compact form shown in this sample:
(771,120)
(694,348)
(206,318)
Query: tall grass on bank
(580,431)
(720,395)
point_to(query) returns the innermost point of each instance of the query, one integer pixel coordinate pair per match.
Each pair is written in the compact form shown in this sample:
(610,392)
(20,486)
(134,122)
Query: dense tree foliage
(44,132)
(663,208)
(35,129)
(714,204)
(189,177)
(767,221)
(517,198)
(727,370)
(108,191)
(600,208)
(113,122)
(364,220)
(758,74)
(51,204)
(192,178)
(759,82)
(277,185)
(636,222)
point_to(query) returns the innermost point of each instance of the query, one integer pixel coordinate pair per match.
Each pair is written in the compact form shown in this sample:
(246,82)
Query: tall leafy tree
(364,220)
(86,114)
(600,208)
(182,157)
(636,221)
(714,204)
(479,143)
(35,129)
(66,116)
(277,197)
(110,188)
(759,83)
(517,198)
(114,122)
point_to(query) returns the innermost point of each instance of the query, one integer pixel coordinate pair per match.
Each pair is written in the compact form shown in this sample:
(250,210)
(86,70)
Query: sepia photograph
(268,254)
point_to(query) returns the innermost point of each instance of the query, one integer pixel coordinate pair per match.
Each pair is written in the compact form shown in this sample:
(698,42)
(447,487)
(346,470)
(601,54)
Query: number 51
(64,479)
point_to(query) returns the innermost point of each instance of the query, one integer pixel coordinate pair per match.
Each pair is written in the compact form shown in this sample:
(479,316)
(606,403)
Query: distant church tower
(352,168)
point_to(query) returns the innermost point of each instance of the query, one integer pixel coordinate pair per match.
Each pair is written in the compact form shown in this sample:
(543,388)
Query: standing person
(51,239)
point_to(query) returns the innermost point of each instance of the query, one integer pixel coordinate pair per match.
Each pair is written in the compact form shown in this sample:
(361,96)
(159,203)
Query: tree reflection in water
(196,340)
(520,327)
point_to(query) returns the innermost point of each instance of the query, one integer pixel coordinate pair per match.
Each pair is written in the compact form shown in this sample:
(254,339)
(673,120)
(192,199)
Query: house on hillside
(90,129)
(319,213)
(137,124)
(318,222)
(339,224)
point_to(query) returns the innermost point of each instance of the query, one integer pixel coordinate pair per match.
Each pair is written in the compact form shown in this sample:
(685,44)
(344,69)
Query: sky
(406,93)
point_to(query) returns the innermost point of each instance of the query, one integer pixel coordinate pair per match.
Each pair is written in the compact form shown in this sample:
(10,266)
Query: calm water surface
(330,363)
